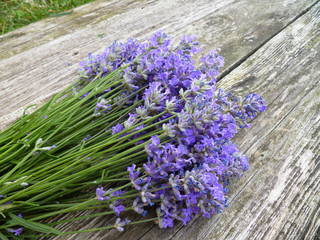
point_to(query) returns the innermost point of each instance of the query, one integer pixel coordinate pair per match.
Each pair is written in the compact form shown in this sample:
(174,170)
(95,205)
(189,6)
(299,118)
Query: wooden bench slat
(279,195)
(266,201)
(34,62)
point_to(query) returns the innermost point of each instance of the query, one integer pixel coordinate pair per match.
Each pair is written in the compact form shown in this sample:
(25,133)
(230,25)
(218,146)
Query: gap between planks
(244,58)
(257,49)
(290,82)
(251,145)
(210,13)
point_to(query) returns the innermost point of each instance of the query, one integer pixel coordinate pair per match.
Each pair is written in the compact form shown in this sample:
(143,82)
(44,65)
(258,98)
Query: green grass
(18,13)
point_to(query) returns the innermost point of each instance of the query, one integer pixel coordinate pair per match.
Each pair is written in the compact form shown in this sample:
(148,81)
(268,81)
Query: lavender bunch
(141,114)
(189,174)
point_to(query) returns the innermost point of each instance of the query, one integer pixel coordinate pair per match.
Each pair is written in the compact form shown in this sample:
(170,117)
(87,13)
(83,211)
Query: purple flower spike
(117,193)
(86,138)
(16,232)
(120,224)
(167,221)
(155,140)
(193,161)
(133,172)
(100,194)
(119,209)
(118,128)
(138,206)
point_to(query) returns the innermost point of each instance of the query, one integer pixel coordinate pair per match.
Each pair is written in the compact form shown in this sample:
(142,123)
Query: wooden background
(271,47)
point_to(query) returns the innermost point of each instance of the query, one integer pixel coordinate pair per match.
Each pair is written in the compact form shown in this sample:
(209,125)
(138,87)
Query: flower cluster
(141,118)
(192,170)
(155,65)
(189,165)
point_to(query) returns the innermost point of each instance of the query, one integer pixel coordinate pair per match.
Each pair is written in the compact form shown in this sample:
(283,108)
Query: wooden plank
(293,57)
(279,197)
(40,59)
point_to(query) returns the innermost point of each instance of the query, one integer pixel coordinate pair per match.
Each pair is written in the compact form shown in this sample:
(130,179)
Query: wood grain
(40,59)
(279,197)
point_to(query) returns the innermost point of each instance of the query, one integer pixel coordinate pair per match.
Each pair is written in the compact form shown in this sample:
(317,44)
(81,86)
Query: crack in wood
(247,79)
(244,58)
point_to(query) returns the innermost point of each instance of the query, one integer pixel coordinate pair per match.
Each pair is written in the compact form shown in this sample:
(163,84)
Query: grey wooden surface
(270,47)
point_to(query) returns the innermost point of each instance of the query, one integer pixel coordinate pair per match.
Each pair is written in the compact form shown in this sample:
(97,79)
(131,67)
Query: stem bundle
(141,116)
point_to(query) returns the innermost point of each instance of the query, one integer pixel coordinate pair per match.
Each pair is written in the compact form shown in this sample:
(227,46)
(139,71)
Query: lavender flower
(118,128)
(103,105)
(16,232)
(188,167)
(138,206)
(100,194)
(120,224)
(86,138)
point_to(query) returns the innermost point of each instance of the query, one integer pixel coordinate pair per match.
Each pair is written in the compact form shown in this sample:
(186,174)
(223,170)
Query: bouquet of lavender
(140,119)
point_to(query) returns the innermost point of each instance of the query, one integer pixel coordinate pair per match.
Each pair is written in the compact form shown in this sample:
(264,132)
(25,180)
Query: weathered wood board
(40,59)
(280,197)
(275,52)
